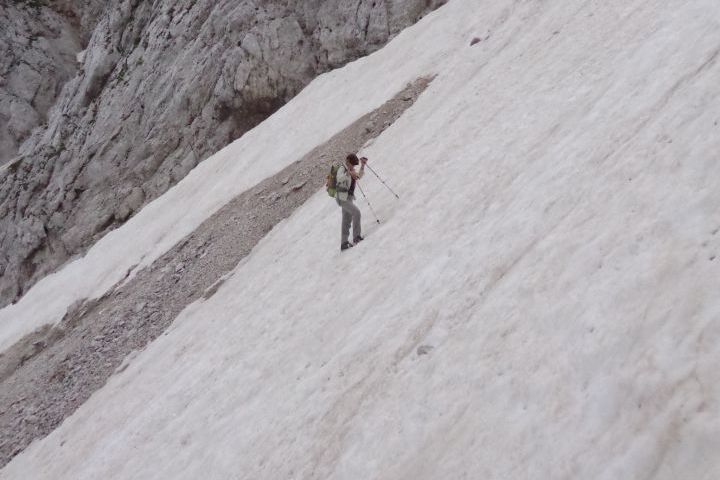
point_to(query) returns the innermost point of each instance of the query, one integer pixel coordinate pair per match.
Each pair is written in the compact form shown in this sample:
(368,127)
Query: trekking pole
(368,202)
(383,181)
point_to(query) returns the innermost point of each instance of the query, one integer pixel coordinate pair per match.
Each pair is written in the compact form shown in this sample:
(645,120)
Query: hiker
(345,184)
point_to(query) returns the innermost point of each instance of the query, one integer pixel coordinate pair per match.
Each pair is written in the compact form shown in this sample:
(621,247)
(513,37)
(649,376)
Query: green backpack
(331,181)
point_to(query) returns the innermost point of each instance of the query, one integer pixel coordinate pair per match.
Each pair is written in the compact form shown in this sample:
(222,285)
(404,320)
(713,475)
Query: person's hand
(363,160)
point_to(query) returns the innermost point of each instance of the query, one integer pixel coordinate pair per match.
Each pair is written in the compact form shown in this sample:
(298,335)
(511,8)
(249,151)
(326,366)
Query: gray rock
(39,46)
(424,349)
(297,186)
(32,419)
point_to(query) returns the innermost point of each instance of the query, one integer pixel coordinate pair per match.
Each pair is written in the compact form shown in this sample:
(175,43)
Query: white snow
(320,111)
(556,244)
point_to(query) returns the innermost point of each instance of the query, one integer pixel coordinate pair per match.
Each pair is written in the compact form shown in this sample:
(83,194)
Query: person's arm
(360,174)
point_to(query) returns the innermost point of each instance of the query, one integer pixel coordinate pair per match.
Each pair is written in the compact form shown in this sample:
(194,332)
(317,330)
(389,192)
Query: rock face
(161,86)
(38,47)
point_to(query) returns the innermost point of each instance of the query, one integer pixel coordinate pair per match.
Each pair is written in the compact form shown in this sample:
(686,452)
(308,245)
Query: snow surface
(321,110)
(555,245)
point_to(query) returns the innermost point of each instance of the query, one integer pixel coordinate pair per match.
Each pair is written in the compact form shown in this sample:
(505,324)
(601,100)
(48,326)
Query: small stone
(297,186)
(424,349)
(475,41)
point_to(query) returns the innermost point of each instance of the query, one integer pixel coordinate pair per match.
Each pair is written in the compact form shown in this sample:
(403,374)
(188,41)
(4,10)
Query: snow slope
(555,244)
(321,110)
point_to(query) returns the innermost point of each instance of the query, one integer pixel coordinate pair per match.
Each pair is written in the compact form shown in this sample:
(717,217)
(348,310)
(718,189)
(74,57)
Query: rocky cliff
(38,47)
(159,86)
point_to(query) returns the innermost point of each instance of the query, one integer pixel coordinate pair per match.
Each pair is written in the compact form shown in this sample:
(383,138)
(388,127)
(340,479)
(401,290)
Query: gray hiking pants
(350,214)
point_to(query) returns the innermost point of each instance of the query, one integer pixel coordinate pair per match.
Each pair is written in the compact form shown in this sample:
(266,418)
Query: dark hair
(352,158)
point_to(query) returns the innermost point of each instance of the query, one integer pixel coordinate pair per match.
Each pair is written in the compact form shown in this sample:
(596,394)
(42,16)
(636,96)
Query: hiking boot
(358,239)
(345,246)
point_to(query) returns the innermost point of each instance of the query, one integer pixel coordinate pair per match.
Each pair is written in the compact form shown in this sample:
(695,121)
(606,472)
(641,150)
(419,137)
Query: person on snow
(345,184)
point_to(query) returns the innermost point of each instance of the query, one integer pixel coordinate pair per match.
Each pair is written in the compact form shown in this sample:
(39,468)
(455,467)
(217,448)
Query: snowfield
(542,302)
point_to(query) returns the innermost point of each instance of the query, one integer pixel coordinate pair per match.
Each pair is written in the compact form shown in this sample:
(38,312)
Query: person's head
(352,159)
